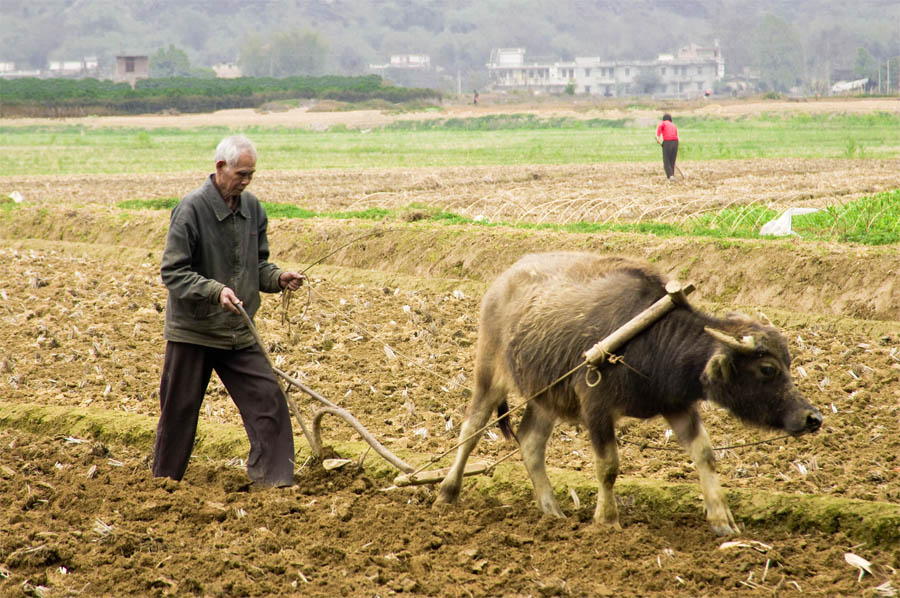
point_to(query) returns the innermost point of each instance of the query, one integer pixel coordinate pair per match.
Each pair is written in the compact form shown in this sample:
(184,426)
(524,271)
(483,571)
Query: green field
(515,139)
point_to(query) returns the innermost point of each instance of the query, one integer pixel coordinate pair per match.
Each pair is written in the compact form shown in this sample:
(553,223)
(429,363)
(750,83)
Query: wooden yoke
(676,295)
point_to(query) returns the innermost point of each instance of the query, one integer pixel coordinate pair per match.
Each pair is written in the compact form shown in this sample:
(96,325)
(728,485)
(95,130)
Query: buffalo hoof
(725,529)
(613,523)
(439,506)
(445,498)
(550,507)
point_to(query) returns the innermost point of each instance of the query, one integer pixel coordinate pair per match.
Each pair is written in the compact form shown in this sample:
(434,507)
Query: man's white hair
(232,148)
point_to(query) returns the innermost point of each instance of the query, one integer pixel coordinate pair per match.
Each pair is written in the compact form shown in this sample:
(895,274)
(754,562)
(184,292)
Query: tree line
(63,97)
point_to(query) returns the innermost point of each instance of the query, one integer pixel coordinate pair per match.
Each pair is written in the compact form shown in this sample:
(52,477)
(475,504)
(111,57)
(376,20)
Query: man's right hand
(228,300)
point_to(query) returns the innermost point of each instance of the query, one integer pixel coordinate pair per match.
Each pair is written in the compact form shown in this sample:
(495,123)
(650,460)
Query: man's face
(231,180)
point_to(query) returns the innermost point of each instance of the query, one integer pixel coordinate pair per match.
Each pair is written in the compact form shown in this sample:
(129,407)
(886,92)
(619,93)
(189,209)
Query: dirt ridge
(841,280)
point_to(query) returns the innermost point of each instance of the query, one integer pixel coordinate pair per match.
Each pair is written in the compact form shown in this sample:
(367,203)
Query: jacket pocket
(201,309)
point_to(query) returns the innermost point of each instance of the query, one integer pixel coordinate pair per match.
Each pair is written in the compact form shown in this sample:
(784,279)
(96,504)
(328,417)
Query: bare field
(388,331)
(309,117)
(619,192)
(82,329)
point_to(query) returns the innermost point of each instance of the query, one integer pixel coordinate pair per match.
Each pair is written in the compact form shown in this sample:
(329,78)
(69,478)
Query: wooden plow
(676,294)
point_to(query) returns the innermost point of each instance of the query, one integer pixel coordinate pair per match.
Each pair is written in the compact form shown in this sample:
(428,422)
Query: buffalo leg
(693,437)
(606,463)
(487,397)
(533,433)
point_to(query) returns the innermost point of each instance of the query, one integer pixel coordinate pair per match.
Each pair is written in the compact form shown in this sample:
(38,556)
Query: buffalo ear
(718,368)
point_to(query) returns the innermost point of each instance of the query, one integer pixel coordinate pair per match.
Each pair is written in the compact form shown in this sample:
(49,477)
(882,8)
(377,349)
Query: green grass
(273,210)
(148,204)
(490,140)
(871,220)
(742,221)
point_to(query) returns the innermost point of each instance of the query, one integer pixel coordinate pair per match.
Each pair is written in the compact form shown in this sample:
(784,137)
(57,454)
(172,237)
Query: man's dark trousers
(252,385)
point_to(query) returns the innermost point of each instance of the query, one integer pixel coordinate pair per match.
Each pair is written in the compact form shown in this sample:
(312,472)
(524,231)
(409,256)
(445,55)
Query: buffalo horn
(744,345)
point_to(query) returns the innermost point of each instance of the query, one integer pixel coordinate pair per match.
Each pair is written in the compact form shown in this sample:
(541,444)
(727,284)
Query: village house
(227,70)
(404,62)
(409,70)
(75,69)
(129,69)
(690,72)
(86,67)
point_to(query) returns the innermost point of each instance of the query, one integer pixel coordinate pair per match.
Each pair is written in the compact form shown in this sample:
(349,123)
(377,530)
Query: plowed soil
(388,331)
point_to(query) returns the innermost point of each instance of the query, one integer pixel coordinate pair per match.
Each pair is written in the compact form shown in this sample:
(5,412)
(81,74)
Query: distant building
(850,87)
(227,70)
(86,67)
(130,69)
(411,61)
(687,73)
(745,82)
(11,71)
(409,70)
(405,62)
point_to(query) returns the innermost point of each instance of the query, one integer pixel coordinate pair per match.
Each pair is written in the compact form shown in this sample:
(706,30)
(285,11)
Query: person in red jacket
(667,137)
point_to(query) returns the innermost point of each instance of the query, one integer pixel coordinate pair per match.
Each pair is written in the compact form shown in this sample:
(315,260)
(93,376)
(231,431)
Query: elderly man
(216,258)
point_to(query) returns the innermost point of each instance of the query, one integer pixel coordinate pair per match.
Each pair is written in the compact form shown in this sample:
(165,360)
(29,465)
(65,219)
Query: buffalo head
(749,374)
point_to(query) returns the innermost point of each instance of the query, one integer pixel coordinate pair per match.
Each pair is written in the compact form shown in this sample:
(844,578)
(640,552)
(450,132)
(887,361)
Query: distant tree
(255,58)
(778,53)
(865,66)
(829,50)
(892,74)
(30,43)
(202,72)
(283,54)
(171,62)
(351,59)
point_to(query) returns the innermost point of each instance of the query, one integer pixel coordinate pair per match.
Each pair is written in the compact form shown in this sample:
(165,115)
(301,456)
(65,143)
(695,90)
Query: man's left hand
(291,280)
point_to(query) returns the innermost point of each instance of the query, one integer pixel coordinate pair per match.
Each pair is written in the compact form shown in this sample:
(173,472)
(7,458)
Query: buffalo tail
(504,423)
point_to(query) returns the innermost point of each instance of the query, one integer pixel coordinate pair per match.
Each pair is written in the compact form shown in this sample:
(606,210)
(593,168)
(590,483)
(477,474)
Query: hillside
(346,36)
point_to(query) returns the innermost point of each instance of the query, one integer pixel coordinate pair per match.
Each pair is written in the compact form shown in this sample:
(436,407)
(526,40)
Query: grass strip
(873,220)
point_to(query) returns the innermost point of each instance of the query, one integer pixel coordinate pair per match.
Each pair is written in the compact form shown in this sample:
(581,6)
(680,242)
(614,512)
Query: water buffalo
(541,315)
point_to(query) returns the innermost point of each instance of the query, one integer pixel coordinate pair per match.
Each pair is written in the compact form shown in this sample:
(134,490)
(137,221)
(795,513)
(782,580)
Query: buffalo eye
(767,370)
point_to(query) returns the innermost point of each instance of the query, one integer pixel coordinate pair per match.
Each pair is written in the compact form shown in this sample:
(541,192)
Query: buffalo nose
(813,421)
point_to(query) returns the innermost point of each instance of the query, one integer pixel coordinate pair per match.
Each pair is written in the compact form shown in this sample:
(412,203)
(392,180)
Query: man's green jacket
(208,248)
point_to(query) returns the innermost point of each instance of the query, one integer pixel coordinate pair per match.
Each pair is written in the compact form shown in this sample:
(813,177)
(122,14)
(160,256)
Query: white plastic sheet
(781,226)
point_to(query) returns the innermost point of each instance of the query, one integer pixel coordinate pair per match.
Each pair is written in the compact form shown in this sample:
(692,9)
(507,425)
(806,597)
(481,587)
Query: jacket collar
(220,208)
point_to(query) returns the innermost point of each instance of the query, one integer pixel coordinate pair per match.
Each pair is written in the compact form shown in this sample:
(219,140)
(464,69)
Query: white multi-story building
(75,69)
(690,72)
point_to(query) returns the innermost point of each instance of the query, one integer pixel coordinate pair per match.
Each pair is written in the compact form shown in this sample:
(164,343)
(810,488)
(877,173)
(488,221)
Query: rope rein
(656,447)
